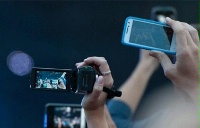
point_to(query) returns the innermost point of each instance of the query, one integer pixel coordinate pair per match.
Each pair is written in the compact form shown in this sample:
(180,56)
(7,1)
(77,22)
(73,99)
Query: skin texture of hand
(184,73)
(150,62)
(94,103)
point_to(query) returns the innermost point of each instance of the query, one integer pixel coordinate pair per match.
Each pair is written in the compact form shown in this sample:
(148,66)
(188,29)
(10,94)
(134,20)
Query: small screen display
(67,117)
(51,80)
(151,35)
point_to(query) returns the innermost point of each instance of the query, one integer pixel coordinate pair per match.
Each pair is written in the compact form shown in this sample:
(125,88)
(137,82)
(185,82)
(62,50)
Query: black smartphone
(64,116)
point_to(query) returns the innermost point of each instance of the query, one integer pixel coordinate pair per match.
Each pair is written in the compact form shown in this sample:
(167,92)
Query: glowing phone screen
(151,35)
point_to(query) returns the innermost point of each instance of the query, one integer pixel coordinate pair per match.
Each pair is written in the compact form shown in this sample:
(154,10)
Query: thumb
(163,59)
(98,87)
(91,100)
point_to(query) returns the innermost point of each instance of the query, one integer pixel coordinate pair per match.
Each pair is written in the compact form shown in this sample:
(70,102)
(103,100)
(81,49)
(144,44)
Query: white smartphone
(64,115)
(149,34)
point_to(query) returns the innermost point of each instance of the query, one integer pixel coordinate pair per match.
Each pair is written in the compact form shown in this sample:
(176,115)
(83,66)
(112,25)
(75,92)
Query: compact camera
(79,81)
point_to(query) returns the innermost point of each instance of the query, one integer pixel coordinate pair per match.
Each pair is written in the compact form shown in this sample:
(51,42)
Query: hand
(149,62)
(102,65)
(93,100)
(185,72)
(94,103)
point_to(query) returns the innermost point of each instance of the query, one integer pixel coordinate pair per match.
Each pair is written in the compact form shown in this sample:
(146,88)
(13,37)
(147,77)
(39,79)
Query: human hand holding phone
(185,72)
(148,62)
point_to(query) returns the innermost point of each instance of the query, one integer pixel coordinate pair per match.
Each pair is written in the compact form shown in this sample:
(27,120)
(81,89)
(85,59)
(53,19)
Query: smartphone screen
(65,116)
(51,79)
(149,35)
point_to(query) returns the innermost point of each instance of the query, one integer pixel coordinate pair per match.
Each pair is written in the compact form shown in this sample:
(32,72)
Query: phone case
(144,46)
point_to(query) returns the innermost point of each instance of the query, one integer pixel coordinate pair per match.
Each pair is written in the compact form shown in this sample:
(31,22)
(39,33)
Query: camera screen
(51,80)
(67,117)
(151,35)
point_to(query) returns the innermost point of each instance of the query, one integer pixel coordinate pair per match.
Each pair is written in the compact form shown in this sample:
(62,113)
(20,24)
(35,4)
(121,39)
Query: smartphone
(158,12)
(149,34)
(64,116)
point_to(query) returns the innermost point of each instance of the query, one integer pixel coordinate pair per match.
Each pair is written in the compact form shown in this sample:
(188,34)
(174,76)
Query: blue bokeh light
(19,63)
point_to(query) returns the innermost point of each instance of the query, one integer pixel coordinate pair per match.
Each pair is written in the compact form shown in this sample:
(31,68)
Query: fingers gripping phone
(64,116)
(149,34)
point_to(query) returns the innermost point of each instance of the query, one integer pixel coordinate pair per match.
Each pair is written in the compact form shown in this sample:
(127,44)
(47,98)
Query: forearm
(110,122)
(135,85)
(194,94)
(96,119)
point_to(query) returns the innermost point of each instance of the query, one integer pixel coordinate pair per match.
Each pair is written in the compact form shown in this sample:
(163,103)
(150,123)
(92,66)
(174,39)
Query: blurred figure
(62,82)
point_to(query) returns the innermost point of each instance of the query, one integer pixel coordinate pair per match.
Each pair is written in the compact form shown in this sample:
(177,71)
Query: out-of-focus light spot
(19,63)
(161,18)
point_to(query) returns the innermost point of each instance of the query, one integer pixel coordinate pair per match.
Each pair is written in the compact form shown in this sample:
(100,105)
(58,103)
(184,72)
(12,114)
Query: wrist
(95,118)
(99,112)
(194,94)
(147,67)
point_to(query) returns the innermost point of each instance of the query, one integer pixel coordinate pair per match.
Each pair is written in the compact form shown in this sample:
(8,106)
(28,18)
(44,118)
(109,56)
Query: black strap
(112,93)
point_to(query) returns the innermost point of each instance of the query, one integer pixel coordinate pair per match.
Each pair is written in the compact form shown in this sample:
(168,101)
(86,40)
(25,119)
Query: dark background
(59,34)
